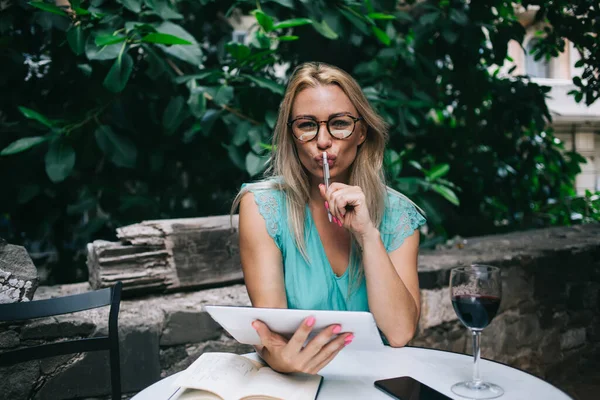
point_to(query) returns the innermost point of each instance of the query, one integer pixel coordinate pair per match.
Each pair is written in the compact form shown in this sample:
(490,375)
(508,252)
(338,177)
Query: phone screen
(407,388)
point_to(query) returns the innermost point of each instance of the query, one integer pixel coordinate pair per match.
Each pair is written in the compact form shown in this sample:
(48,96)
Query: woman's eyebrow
(339,114)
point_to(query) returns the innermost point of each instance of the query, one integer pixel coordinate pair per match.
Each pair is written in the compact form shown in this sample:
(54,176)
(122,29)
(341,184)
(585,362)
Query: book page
(268,383)
(194,394)
(223,374)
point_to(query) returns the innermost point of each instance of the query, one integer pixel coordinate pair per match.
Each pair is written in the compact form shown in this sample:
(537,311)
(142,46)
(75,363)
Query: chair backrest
(64,305)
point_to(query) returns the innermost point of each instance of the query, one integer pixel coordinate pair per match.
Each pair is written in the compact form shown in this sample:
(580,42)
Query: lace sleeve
(400,220)
(269,206)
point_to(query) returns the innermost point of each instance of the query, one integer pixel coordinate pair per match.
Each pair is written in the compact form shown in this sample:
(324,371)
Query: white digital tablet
(238,322)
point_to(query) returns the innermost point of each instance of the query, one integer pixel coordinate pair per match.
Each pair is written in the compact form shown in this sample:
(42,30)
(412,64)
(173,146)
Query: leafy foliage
(147,109)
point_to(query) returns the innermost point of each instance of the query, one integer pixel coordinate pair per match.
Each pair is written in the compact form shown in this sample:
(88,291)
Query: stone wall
(549,318)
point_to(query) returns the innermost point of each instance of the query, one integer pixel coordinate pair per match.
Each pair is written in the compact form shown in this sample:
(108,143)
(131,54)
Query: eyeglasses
(305,129)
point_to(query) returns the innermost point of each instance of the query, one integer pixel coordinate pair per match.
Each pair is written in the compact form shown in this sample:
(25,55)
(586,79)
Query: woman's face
(321,103)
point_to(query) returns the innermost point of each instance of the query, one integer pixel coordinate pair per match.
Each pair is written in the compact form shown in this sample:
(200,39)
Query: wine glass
(476,293)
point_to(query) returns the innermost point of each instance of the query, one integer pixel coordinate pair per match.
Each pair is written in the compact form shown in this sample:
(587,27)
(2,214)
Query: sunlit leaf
(164,38)
(22,144)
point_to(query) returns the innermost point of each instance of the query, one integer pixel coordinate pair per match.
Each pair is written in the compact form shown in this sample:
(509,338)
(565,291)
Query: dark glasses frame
(353,118)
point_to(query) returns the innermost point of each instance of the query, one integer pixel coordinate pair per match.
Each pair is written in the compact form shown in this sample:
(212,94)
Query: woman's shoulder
(401,216)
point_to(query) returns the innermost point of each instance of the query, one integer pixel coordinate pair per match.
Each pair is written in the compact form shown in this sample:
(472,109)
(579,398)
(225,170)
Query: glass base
(480,390)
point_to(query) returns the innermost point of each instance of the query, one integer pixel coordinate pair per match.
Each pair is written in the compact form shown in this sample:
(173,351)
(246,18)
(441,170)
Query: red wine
(476,312)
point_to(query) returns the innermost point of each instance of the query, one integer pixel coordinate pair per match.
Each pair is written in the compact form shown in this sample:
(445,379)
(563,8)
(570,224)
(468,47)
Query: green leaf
(119,73)
(265,21)
(59,160)
(376,15)
(190,53)
(447,193)
(241,133)
(325,30)
(164,38)
(271,118)
(93,52)
(290,23)
(119,150)
(288,38)
(51,8)
(266,83)
(429,18)
(359,23)
(197,102)
(132,5)
(76,39)
(438,171)
(235,156)
(237,50)
(163,9)
(107,40)
(255,138)
(459,17)
(22,144)
(284,3)
(221,95)
(255,164)
(29,113)
(381,35)
(208,120)
(580,63)
(174,114)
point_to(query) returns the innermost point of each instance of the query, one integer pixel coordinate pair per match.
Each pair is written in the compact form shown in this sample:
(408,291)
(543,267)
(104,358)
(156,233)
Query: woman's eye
(306,125)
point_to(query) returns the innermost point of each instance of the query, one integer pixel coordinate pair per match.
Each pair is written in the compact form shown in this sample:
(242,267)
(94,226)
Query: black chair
(64,305)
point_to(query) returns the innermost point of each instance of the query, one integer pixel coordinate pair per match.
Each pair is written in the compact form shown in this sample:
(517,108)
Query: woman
(292,256)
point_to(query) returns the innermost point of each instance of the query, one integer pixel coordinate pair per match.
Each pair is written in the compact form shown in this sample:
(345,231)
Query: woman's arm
(392,286)
(392,279)
(261,258)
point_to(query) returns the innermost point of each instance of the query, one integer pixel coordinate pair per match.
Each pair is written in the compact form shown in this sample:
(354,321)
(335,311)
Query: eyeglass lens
(306,129)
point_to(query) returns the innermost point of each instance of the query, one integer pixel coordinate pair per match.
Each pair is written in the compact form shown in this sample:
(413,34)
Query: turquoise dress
(313,285)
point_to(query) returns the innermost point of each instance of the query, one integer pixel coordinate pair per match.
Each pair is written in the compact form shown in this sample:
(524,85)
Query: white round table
(352,373)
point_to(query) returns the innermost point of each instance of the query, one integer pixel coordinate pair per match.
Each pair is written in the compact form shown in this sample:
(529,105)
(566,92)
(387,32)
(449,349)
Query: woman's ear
(362,136)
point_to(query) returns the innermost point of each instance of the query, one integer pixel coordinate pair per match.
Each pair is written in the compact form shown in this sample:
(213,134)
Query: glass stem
(476,356)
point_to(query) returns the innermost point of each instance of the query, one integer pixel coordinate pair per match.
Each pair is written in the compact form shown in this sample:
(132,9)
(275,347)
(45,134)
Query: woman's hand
(348,206)
(289,356)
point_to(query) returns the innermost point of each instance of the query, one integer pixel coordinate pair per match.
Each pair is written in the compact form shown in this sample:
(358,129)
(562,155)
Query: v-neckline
(322,247)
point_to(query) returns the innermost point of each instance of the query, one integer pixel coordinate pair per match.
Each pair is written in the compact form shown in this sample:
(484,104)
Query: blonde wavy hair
(286,173)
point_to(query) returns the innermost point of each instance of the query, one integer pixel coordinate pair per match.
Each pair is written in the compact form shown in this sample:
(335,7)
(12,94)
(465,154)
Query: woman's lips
(330,159)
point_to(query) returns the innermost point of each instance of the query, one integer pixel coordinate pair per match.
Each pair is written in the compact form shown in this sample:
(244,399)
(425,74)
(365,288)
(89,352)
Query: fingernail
(348,339)
(327,205)
(321,185)
(339,223)
(337,329)
(310,321)
(255,325)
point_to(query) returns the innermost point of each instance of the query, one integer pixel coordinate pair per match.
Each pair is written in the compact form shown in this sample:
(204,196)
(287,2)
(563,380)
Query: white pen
(326,178)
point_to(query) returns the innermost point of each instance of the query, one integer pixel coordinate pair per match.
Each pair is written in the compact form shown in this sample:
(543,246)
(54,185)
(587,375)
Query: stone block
(189,327)
(436,308)
(18,380)
(9,339)
(572,338)
(18,275)
(59,327)
(516,288)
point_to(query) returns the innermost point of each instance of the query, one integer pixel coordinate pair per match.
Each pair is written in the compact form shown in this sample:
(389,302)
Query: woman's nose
(323,137)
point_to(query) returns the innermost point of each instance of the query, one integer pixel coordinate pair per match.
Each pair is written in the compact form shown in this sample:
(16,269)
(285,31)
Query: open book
(227,376)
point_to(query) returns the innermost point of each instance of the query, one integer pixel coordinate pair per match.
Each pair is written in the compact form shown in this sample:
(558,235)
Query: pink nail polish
(337,329)
(310,321)
(348,339)
(327,205)
(340,223)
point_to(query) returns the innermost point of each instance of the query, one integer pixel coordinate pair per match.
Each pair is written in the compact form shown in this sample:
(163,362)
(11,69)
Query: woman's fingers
(317,343)
(328,352)
(268,338)
(297,341)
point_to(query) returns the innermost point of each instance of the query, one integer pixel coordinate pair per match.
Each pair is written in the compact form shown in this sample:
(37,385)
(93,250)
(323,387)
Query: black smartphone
(407,388)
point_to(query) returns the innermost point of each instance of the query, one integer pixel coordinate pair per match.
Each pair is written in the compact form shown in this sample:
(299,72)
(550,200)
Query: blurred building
(576,124)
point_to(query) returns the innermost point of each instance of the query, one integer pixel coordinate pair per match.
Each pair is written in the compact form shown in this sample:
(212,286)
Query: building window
(533,68)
